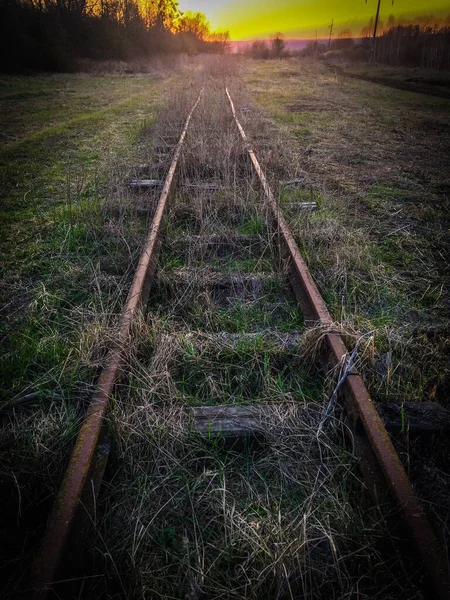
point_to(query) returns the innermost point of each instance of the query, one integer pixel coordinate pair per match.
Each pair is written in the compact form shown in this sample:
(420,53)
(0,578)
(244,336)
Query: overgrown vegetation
(178,516)
(186,517)
(377,245)
(71,233)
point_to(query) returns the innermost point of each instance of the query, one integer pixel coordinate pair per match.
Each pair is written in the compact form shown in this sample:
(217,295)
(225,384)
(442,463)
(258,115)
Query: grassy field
(375,161)
(68,243)
(62,136)
(183,517)
(427,81)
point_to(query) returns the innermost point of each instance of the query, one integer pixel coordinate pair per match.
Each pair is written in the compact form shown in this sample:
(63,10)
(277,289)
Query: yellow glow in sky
(248,19)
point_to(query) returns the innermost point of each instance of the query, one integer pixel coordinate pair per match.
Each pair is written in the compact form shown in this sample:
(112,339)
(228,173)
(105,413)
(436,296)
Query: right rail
(358,403)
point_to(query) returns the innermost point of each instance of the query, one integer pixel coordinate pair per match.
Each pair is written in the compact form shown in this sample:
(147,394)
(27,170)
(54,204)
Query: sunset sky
(248,19)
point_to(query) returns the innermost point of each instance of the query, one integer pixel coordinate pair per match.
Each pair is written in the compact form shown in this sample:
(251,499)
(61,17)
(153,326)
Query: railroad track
(230,257)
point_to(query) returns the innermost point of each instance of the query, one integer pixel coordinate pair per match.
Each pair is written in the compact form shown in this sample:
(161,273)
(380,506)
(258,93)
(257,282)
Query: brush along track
(223,355)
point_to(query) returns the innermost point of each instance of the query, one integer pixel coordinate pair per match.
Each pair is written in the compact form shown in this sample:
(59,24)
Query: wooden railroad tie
(152,183)
(230,423)
(415,417)
(301,206)
(146,183)
(236,423)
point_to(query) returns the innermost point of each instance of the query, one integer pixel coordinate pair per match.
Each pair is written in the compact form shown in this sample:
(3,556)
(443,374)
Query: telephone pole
(331,32)
(375,27)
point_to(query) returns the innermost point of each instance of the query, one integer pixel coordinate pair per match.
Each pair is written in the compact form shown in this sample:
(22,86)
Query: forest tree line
(424,42)
(55,34)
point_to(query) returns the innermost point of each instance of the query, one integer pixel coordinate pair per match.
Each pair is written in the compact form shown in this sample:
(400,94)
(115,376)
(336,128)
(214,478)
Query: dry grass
(180,517)
(61,311)
(377,244)
(185,520)
(375,161)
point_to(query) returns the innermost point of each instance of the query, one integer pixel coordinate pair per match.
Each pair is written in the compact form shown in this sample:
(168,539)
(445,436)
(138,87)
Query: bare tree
(259,49)
(278,45)
(344,40)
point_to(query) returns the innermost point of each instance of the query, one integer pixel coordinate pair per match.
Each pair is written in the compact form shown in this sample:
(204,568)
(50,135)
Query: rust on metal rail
(358,402)
(77,479)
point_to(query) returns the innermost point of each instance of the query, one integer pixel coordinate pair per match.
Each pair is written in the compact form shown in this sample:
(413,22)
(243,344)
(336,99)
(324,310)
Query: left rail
(82,479)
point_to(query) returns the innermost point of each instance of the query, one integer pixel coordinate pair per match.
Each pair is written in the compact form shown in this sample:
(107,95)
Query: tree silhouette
(53,34)
(278,45)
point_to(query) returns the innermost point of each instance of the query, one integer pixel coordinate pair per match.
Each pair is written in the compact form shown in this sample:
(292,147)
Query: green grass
(71,236)
(250,372)
(232,263)
(241,317)
(298,194)
(377,243)
(37,106)
(61,155)
(255,225)
(287,521)
(64,133)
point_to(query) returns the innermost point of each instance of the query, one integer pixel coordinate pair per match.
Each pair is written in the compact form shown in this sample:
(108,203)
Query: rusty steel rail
(357,400)
(88,460)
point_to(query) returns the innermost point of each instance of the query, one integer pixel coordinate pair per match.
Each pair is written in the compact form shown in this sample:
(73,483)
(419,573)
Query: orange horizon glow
(306,19)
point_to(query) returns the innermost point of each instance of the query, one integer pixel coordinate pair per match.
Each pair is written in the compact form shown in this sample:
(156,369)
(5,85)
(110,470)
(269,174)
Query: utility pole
(331,32)
(375,27)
